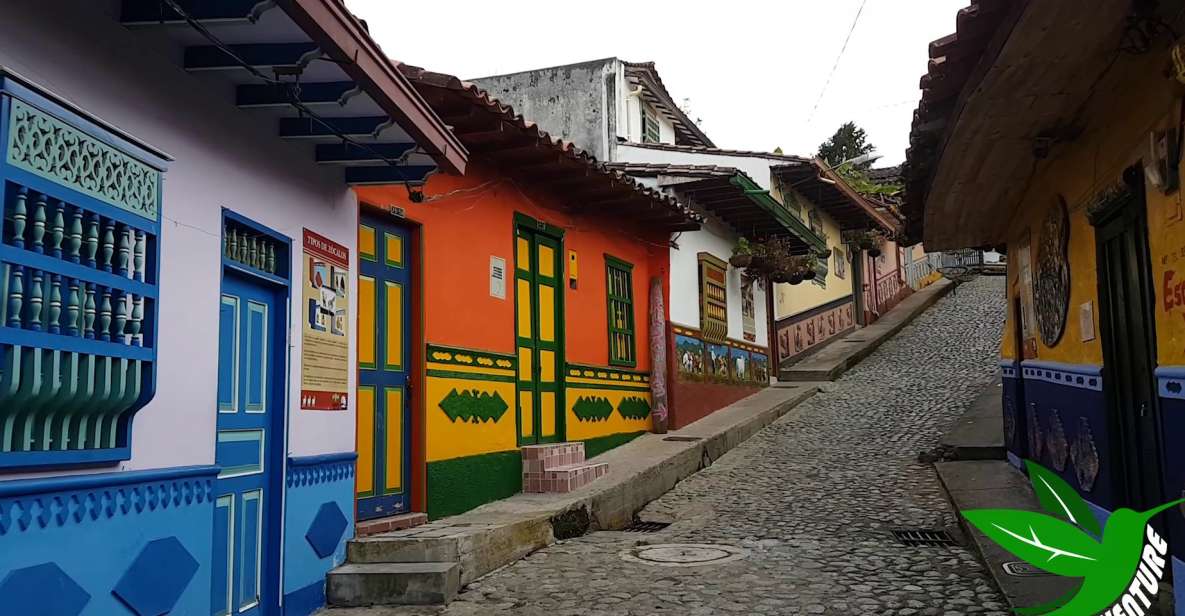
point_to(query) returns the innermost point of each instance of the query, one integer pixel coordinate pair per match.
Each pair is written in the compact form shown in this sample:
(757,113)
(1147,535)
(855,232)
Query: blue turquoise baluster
(16,295)
(20,217)
(125,251)
(55,305)
(36,300)
(138,255)
(137,323)
(37,231)
(244,249)
(105,315)
(92,240)
(73,309)
(271,258)
(88,313)
(74,243)
(232,244)
(57,229)
(253,258)
(107,248)
(121,317)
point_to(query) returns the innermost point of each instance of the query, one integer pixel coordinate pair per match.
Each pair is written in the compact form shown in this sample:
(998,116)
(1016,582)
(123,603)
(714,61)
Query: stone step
(565,478)
(395,549)
(386,525)
(538,458)
(360,585)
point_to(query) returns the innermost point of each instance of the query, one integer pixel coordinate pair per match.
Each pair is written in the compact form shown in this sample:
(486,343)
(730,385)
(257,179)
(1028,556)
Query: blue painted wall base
(319,519)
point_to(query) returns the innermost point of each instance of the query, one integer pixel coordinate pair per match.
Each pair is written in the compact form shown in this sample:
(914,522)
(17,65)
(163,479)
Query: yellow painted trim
(471,369)
(394,453)
(523,262)
(367,246)
(547,414)
(546,313)
(394,254)
(394,355)
(583,381)
(526,413)
(547,361)
(367,306)
(364,481)
(523,293)
(546,261)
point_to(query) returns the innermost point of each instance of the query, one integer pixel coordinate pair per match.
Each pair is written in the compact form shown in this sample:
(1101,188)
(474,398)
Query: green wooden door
(539,327)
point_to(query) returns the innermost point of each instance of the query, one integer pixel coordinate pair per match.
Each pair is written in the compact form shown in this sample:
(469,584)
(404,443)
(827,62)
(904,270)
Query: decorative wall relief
(689,352)
(592,408)
(474,406)
(634,407)
(1085,456)
(1057,446)
(1052,292)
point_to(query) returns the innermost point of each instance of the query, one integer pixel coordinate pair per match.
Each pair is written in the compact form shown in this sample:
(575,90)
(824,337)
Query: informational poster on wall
(325,339)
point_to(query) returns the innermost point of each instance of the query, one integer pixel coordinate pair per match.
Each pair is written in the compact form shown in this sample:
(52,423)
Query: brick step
(538,458)
(386,525)
(360,585)
(565,478)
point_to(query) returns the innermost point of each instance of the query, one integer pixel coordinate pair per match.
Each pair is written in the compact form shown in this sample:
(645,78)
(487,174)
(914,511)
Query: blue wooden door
(384,319)
(250,429)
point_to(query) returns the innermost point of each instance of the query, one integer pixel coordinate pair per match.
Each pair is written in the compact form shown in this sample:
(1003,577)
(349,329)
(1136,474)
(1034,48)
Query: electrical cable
(292,90)
(835,66)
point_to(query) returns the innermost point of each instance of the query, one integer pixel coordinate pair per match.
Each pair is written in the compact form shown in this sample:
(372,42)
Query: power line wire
(835,66)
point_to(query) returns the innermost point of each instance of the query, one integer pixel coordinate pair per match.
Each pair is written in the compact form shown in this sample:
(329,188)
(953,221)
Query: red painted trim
(341,35)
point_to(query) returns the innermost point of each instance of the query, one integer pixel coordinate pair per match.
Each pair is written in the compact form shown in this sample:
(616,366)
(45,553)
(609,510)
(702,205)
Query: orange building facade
(504,313)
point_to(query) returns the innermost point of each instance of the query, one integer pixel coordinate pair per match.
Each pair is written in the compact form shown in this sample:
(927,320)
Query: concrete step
(389,549)
(360,585)
(386,525)
(566,478)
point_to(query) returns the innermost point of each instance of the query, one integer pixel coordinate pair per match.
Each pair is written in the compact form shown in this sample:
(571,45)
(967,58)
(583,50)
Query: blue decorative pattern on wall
(313,470)
(105,531)
(156,579)
(319,516)
(1064,425)
(1080,376)
(326,529)
(78,500)
(42,589)
(1171,382)
(1008,368)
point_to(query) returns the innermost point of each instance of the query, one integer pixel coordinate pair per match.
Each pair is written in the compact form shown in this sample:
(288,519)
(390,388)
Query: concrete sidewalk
(979,433)
(840,355)
(995,484)
(499,533)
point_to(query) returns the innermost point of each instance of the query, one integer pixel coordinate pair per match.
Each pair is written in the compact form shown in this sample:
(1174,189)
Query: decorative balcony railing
(78,284)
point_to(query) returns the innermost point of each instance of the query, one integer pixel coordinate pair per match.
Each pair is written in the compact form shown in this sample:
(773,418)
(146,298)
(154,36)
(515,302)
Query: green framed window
(651,133)
(619,291)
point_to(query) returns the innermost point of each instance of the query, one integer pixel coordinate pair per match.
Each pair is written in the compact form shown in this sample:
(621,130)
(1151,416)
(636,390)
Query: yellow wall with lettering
(1116,136)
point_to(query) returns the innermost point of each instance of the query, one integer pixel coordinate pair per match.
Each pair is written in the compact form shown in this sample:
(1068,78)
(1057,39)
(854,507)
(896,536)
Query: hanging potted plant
(742,254)
(810,266)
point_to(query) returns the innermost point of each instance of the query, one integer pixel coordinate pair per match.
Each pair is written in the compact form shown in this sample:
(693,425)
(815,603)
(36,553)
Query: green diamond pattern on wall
(634,407)
(474,406)
(592,409)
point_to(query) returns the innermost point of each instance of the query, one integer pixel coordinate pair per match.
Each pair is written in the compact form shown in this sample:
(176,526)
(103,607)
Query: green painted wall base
(596,446)
(458,485)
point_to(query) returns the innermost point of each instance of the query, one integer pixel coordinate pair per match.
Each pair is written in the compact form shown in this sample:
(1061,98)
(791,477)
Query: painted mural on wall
(796,337)
(1052,292)
(324,357)
(732,363)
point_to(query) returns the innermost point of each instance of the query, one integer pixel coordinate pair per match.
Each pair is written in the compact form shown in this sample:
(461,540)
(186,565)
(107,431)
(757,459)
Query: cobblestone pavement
(812,498)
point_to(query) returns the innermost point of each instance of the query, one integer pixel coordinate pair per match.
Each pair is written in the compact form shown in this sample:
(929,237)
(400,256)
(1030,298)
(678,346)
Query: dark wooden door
(1129,345)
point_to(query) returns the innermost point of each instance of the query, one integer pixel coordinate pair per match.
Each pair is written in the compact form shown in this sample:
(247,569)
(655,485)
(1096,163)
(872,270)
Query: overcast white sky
(752,70)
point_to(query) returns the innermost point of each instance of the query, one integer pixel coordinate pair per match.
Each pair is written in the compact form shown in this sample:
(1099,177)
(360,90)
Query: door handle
(1143,409)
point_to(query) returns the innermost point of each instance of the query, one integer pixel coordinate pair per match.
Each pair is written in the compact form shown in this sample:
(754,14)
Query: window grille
(713,295)
(620,293)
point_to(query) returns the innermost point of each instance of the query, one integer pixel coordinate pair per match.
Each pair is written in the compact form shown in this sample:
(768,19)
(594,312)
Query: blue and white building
(158,167)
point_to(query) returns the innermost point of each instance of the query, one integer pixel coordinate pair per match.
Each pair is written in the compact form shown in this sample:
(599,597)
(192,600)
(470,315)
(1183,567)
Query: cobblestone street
(812,499)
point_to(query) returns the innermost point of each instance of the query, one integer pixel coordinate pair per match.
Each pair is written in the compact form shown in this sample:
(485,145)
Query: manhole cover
(684,554)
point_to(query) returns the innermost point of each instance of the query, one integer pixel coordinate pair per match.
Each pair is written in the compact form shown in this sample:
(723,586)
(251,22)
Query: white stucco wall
(224,157)
(717,240)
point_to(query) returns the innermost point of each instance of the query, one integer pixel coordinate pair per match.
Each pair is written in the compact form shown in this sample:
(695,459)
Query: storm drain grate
(645,527)
(915,537)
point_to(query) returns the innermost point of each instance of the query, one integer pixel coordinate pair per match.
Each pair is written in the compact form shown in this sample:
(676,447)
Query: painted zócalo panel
(604,401)
(733,362)
(797,335)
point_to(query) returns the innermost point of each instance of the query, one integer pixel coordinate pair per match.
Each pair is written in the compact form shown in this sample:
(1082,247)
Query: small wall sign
(497,277)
